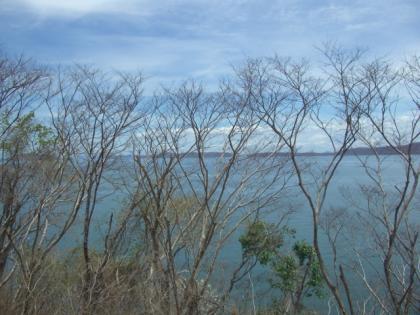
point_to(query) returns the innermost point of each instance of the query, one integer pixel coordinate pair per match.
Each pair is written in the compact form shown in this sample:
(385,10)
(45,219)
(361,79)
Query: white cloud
(178,39)
(75,7)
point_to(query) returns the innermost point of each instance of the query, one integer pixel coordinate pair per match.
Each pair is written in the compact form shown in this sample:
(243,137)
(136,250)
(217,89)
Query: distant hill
(382,150)
(385,150)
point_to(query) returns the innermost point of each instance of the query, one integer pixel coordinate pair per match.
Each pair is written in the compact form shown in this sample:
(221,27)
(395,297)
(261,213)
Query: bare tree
(194,200)
(389,211)
(187,169)
(93,117)
(21,85)
(289,98)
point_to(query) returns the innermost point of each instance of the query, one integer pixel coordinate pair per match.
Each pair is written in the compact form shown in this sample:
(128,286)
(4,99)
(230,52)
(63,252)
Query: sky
(173,40)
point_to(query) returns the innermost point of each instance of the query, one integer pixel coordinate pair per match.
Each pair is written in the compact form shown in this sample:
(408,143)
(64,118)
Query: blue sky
(170,40)
(174,40)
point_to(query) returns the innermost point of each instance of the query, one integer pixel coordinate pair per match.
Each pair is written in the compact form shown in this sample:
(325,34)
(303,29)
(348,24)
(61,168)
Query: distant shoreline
(382,150)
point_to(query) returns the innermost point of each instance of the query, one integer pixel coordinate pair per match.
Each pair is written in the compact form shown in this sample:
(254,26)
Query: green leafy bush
(296,271)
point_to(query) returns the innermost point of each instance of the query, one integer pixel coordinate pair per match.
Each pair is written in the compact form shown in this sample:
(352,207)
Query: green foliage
(303,251)
(296,274)
(286,269)
(300,267)
(25,135)
(261,240)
